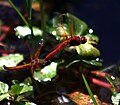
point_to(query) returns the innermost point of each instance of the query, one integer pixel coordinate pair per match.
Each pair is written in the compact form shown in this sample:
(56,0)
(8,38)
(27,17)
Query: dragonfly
(40,63)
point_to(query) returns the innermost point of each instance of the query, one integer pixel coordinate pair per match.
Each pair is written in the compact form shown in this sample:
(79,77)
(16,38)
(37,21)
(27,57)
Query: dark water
(103,16)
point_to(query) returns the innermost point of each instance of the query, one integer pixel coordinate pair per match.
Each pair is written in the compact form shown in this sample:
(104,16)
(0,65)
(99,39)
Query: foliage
(17,90)
(115,99)
(10,60)
(66,22)
(68,64)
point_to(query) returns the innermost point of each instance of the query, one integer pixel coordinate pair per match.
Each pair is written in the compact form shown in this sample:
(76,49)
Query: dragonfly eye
(83,40)
(75,41)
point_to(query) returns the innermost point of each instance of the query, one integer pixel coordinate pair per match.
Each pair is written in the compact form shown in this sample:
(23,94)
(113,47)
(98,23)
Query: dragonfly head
(83,40)
(76,40)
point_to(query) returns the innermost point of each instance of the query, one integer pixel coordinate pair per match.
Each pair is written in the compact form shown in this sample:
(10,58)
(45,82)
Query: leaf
(3,87)
(79,27)
(22,97)
(87,51)
(16,89)
(89,64)
(4,91)
(22,31)
(21,88)
(4,95)
(115,99)
(92,63)
(92,39)
(26,88)
(64,23)
(10,60)
(30,103)
(46,73)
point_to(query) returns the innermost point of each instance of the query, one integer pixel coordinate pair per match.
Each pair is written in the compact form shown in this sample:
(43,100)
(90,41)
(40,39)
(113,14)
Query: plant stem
(29,7)
(42,14)
(89,90)
(19,13)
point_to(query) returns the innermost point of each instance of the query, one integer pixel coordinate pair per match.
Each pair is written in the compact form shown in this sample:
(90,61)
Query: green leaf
(30,103)
(89,90)
(22,31)
(79,27)
(92,39)
(115,99)
(10,60)
(92,63)
(89,64)
(65,23)
(21,88)
(4,95)
(3,87)
(16,89)
(87,51)
(46,73)
(26,88)
(4,91)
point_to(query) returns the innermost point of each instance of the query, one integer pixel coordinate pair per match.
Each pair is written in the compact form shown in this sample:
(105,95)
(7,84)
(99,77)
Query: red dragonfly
(37,63)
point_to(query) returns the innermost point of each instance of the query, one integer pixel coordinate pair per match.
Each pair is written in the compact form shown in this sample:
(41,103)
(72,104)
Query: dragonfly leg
(38,51)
